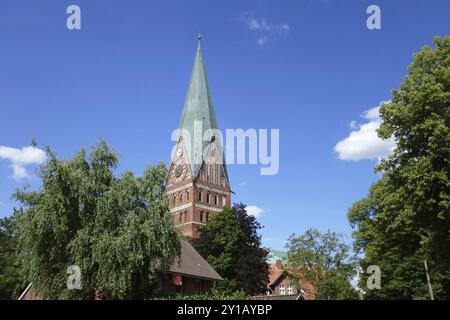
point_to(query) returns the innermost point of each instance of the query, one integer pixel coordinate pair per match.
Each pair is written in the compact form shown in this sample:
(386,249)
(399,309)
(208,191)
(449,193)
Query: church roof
(198,116)
(192,264)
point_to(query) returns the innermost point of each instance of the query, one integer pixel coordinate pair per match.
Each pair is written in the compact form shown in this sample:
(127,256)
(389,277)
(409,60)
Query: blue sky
(308,68)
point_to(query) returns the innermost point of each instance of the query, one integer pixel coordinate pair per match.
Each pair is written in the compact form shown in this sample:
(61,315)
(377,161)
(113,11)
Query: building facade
(197,184)
(279,282)
(283,286)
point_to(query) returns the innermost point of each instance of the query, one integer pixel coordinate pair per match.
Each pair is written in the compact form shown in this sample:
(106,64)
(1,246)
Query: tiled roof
(274,274)
(192,264)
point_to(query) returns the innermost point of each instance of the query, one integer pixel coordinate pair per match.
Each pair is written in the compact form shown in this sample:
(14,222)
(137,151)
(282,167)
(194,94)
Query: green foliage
(323,260)
(215,295)
(405,219)
(118,230)
(231,244)
(9,273)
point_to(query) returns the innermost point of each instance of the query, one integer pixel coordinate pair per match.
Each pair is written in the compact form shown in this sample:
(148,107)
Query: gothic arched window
(199,195)
(216,200)
(224,200)
(207,217)
(174,200)
(181,197)
(207,197)
(201,216)
(187,195)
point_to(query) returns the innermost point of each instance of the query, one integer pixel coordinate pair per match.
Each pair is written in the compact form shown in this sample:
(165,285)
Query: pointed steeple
(197,182)
(199,38)
(198,115)
(198,103)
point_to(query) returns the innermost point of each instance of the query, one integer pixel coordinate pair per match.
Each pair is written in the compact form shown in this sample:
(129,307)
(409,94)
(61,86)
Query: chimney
(279,265)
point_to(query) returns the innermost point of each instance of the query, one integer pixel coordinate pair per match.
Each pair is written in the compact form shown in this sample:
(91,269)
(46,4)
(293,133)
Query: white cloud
(363,142)
(267,29)
(353,124)
(20,158)
(3,205)
(262,40)
(243,184)
(255,24)
(284,27)
(255,211)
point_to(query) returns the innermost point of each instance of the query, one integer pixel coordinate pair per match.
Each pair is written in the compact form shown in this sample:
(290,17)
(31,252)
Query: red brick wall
(189,220)
(190,286)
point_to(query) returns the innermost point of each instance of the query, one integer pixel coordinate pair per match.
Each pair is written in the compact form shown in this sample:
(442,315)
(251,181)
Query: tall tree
(9,273)
(405,219)
(231,244)
(323,260)
(117,230)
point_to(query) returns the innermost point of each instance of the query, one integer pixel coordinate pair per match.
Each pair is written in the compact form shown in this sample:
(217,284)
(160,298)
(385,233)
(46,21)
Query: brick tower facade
(197,183)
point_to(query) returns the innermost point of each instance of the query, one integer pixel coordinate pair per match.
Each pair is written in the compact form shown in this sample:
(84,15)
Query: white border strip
(25,291)
(184,206)
(180,188)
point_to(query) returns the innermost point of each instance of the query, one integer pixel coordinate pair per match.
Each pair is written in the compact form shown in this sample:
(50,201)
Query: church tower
(197,185)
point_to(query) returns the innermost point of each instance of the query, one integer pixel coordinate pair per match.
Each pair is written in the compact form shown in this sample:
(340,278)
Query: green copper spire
(198,115)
